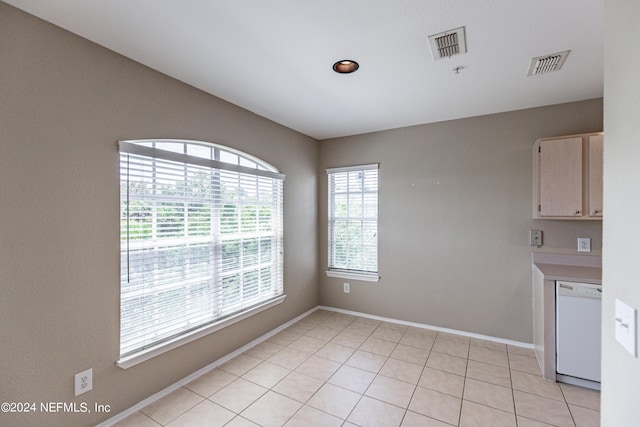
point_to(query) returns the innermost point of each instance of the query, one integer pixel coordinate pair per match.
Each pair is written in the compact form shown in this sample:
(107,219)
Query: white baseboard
(424,326)
(159,395)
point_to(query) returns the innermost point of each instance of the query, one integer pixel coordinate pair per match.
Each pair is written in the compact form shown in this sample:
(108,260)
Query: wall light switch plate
(584,244)
(535,237)
(626,327)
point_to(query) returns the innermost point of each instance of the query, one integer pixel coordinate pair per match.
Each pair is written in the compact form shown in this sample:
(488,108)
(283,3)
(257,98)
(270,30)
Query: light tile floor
(333,369)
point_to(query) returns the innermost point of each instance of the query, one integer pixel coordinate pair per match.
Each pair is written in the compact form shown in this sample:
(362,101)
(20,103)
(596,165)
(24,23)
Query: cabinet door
(561,177)
(595,175)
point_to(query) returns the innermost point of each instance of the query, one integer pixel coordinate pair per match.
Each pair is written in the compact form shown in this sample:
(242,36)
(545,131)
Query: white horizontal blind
(201,238)
(353,218)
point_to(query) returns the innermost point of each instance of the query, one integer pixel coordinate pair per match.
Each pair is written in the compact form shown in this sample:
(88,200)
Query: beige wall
(64,104)
(455,208)
(620,370)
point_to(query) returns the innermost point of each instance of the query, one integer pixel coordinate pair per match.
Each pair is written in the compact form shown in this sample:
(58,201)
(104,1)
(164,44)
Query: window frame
(245,166)
(350,273)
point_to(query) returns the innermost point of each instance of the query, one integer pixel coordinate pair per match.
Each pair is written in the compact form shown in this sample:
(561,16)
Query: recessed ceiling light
(345,66)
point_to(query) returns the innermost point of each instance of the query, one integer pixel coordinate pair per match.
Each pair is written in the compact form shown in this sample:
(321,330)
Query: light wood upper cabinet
(595,175)
(568,177)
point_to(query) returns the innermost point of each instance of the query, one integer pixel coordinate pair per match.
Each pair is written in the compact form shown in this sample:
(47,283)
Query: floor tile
(374,413)
(238,395)
(440,406)
(394,325)
(523,351)
(487,394)
(378,346)
(401,370)
(521,363)
(308,344)
(581,396)
(526,422)
(266,374)
(289,358)
(335,369)
(361,328)
(336,352)
(489,344)
(367,361)
(241,422)
(485,355)
(411,419)
(334,400)
(447,363)
(137,420)
(367,321)
(340,320)
(388,334)
(210,382)
(392,391)
(452,348)
(353,379)
(264,350)
(284,338)
(308,416)
(240,365)
(323,332)
(442,381)
(204,414)
(535,384)
(454,337)
(298,386)
(349,339)
(542,409)
(172,406)
(475,415)
(302,327)
(419,338)
(489,373)
(318,368)
(410,354)
(584,417)
(271,410)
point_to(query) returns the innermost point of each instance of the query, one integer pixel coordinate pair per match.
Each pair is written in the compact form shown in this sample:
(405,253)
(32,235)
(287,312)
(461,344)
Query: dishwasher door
(578,329)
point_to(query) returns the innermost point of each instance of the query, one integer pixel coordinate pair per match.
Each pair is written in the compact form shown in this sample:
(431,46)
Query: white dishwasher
(578,333)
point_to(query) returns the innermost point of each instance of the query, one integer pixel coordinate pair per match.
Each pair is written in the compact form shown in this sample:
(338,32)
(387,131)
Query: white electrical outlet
(83,381)
(584,244)
(346,288)
(626,326)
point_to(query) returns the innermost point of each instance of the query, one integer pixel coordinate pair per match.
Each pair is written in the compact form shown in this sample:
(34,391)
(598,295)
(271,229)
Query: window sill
(144,355)
(365,277)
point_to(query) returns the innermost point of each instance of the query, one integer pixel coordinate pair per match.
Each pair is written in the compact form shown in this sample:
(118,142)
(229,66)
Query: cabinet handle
(596,211)
(577,212)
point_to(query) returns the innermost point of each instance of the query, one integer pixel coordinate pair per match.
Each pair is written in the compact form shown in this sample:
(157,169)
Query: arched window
(201,241)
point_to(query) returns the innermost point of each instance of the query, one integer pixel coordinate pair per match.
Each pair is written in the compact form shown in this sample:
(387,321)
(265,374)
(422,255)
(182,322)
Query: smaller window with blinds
(353,222)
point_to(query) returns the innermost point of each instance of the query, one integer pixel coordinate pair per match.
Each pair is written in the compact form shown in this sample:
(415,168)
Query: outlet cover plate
(83,381)
(584,244)
(626,326)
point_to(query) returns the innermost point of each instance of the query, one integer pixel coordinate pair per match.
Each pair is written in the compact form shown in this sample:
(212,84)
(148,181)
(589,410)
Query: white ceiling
(274,57)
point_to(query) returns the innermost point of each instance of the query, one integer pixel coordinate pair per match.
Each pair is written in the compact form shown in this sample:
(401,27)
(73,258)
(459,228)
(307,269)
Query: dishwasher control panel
(584,290)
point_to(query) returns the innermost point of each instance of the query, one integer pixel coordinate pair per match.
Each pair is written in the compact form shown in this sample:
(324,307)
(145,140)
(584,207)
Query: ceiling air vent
(547,63)
(448,44)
